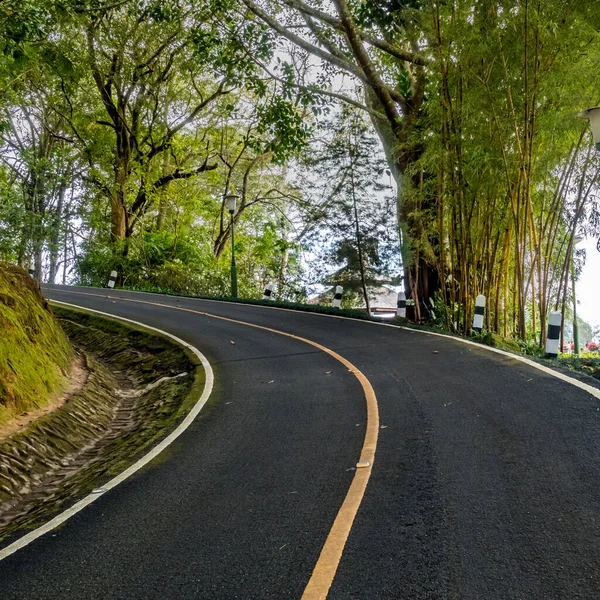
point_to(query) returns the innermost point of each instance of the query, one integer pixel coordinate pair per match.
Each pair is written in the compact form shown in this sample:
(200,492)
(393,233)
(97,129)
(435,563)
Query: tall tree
(463,95)
(349,211)
(378,44)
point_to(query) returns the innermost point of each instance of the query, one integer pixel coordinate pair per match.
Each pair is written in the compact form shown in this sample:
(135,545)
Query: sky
(588,285)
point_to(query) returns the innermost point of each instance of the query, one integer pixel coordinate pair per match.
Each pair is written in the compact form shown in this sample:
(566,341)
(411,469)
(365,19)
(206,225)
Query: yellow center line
(331,553)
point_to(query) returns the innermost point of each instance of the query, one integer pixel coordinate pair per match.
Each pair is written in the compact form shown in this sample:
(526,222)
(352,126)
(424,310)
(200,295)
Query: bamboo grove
(514,166)
(124,124)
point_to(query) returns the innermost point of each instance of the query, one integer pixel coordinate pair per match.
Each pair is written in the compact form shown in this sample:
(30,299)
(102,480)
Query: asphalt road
(485,483)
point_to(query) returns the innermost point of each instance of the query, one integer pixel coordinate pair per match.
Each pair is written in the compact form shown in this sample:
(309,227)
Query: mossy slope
(34,351)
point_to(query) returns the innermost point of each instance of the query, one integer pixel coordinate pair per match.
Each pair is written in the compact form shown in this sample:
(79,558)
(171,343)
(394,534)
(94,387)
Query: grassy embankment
(35,354)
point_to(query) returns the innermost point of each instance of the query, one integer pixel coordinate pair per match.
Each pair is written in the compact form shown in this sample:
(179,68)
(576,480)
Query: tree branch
(384,45)
(342,64)
(381,90)
(142,197)
(322,38)
(104,8)
(320,92)
(300,42)
(173,130)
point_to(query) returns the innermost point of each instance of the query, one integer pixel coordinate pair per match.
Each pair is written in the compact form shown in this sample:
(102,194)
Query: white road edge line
(73,510)
(549,371)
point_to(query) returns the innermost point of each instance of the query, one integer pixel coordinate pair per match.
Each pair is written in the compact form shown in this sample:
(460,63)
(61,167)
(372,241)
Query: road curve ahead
(484,485)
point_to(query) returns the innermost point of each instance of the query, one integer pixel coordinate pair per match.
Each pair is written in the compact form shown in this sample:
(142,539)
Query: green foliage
(183,261)
(587,365)
(125,124)
(120,138)
(515,346)
(12,215)
(530,347)
(285,130)
(483,337)
(22,22)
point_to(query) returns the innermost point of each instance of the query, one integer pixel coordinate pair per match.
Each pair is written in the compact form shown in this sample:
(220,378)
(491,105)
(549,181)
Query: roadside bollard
(31,272)
(337,297)
(268,292)
(554,321)
(401,312)
(432,310)
(479,312)
(112,280)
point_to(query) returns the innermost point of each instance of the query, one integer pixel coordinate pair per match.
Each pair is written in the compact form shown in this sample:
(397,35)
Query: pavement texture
(485,482)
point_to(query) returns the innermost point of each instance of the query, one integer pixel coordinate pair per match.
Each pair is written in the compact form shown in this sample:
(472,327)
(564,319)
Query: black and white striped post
(554,322)
(268,291)
(432,310)
(401,312)
(337,297)
(112,280)
(479,312)
(32,271)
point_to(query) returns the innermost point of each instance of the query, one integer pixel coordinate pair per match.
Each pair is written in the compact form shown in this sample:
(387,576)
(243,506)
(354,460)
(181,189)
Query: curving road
(485,483)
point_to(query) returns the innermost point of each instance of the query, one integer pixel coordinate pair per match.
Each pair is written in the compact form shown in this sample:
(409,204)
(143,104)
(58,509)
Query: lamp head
(231,202)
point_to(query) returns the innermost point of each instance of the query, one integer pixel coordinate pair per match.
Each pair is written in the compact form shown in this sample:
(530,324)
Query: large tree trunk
(118,218)
(421,278)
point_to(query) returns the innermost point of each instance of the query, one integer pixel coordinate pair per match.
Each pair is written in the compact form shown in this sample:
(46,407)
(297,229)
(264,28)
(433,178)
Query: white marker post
(337,297)
(401,312)
(554,322)
(268,292)
(479,312)
(32,272)
(112,280)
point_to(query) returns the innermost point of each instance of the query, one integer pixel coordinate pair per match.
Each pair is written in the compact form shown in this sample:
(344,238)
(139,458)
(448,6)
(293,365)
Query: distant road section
(484,484)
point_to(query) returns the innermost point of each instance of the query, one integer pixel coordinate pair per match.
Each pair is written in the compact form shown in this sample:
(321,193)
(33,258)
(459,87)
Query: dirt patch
(78,376)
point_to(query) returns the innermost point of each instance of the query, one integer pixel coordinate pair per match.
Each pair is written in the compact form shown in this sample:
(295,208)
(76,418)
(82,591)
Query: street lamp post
(231,203)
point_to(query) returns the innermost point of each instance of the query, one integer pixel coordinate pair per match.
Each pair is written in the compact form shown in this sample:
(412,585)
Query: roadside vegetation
(424,144)
(588,363)
(60,434)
